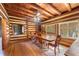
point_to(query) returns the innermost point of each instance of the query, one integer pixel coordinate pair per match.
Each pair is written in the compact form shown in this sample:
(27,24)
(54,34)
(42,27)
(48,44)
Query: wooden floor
(23,49)
(29,48)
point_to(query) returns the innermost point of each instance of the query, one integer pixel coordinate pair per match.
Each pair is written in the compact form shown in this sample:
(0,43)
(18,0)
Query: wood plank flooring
(23,49)
(29,48)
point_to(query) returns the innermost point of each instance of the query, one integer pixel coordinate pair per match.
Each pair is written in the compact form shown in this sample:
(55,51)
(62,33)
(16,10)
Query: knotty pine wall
(31,29)
(17,37)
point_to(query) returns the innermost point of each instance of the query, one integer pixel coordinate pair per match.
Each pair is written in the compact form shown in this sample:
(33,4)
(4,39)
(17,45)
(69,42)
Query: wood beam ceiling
(28,11)
(33,11)
(76,11)
(24,9)
(18,14)
(41,10)
(45,7)
(49,8)
(55,9)
(68,6)
(66,19)
(13,14)
(18,10)
(2,9)
(17,17)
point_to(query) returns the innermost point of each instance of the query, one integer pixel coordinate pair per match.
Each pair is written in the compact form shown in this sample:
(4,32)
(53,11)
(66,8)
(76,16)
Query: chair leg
(55,51)
(47,46)
(58,49)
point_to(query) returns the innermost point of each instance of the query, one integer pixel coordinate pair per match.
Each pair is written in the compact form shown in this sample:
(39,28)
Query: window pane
(63,30)
(73,29)
(17,29)
(69,29)
(50,28)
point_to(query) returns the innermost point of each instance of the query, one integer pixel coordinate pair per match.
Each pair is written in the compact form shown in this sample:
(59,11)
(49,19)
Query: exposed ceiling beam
(17,17)
(16,8)
(16,13)
(66,19)
(54,9)
(20,12)
(68,6)
(3,10)
(45,7)
(44,17)
(25,8)
(64,15)
(49,8)
(20,17)
(42,11)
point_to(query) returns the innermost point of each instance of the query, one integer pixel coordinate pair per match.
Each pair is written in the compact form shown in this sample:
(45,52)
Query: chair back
(58,39)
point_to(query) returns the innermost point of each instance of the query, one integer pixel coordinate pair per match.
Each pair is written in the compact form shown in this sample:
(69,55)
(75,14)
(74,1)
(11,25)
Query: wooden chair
(40,41)
(55,44)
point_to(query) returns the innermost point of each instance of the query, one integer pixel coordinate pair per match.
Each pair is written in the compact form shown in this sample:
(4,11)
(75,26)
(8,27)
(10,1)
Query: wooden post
(4,33)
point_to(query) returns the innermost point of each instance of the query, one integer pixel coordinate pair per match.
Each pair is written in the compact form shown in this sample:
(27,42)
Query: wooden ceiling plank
(17,13)
(54,9)
(76,11)
(17,17)
(18,9)
(65,19)
(68,6)
(20,12)
(44,16)
(49,8)
(45,7)
(20,16)
(26,9)
(40,10)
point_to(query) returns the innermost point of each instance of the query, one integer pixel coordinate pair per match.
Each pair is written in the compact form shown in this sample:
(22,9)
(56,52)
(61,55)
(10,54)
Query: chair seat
(51,44)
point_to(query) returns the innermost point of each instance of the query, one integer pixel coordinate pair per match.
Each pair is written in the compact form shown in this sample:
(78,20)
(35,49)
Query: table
(48,38)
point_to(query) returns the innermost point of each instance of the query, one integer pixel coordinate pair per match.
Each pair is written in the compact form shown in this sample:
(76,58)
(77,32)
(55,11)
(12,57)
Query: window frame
(50,25)
(67,22)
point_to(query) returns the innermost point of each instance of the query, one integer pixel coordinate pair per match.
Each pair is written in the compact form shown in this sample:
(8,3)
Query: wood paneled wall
(31,29)
(17,37)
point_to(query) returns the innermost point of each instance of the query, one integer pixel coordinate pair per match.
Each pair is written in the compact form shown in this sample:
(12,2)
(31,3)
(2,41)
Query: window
(69,29)
(18,29)
(64,30)
(50,28)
